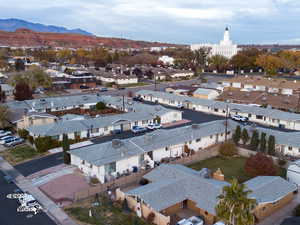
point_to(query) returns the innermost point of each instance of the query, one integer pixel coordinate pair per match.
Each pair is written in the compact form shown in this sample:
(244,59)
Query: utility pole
(154,82)
(226,122)
(123,97)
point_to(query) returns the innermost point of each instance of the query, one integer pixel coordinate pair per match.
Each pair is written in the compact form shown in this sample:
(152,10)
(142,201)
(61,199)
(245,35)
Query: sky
(172,21)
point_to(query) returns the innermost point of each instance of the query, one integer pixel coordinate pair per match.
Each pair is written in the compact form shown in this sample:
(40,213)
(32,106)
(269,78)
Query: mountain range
(13,24)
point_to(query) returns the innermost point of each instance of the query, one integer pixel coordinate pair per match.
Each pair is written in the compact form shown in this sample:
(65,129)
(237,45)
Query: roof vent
(195,126)
(116,143)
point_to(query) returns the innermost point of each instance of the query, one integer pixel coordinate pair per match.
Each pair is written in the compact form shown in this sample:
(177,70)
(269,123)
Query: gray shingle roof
(171,184)
(272,113)
(149,142)
(268,189)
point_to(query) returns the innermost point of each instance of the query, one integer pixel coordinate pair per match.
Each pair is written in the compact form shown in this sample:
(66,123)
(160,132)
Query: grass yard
(20,153)
(231,167)
(106,213)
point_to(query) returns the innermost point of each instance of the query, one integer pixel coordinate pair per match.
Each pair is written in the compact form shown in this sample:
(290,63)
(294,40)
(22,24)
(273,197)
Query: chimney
(218,175)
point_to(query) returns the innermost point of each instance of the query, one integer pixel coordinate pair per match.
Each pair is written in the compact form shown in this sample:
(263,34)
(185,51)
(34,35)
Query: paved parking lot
(8,209)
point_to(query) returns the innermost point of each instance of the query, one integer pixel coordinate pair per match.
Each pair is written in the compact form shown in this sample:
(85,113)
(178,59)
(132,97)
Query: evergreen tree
(245,136)
(2,95)
(254,142)
(263,142)
(66,149)
(271,145)
(237,135)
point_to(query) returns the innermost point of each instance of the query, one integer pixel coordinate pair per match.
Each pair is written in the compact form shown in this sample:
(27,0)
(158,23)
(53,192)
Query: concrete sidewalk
(56,213)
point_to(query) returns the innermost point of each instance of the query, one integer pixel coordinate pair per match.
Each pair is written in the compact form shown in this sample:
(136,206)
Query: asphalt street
(8,209)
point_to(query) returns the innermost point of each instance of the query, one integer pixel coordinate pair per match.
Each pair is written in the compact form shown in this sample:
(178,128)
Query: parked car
(116,131)
(219,223)
(9,140)
(4,133)
(138,99)
(121,88)
(239,118)
(180,106)
(84,87)
(103,89)
(8,179)
(194,220)
(153,126)
(15,142)
(138,129)
(6,138)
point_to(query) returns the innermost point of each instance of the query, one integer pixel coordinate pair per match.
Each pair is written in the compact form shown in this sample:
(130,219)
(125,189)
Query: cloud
(184,21)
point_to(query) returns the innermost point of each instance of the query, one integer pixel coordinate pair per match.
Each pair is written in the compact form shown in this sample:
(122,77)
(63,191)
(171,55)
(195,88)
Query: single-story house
(112,159)
(266,116)
(173,188)
(206,93)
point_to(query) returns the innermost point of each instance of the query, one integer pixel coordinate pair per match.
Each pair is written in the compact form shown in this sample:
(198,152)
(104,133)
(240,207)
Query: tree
(245,136)
(100,106)
(200,59)
(234,206)
(66,149)
(2,95)
(22,92)
(237,135)
(218,62)
(271,145)
(19,65)
(228,149)
(3,116)
(260,165)
(263,142)
(269,63)
(254,142)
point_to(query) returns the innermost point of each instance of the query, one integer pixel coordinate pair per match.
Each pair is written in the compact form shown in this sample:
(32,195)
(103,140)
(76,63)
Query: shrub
(94,180)
(271,145)
(30,139)
(254,142)
(43,144)
(143,181)
(281,162)
(245,136)
(296,211)
(23,133)
(260,165)
(228,149)
(100,106)
(150,217)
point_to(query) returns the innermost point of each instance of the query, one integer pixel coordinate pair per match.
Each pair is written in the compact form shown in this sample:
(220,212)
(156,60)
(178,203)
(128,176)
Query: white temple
(225,47)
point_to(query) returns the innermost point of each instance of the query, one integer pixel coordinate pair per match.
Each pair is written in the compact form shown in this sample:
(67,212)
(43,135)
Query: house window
(95,130)
(91,166)
(198,139)
(211,136)
(105,128)
(290,148)
(83,162)
(110,168)
(166,148)
(259,117)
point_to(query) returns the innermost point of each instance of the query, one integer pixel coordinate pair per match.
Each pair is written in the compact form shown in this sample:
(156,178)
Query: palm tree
(234,207)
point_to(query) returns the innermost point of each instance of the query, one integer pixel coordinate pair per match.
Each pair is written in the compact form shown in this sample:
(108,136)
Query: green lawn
(231,167)
(106,213)
(20,153)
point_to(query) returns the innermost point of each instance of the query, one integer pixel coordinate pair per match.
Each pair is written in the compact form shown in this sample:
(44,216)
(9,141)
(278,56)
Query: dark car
(121,88)
(116,131)
(138,99)
(8,179)
(84,87)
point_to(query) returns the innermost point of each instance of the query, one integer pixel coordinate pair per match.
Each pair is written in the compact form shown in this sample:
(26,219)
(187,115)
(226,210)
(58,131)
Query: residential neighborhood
(149,113)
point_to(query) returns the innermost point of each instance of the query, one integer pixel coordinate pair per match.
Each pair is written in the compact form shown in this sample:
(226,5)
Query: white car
(4,133)
(5,138)
(194,220)
(153,126)
(239,118)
